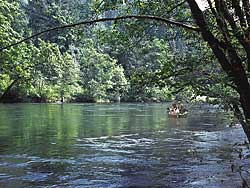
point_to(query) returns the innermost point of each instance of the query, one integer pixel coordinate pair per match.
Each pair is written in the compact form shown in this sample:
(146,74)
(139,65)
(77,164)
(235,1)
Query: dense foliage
(97,63)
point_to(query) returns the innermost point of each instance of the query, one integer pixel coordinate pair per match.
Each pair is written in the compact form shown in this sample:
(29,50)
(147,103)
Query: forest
(129,60)
(104,62)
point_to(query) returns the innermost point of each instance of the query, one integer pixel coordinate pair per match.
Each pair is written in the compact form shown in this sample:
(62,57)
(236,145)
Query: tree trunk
(230,62)
(244,122)
(246,128)
(245,103)
(3,96)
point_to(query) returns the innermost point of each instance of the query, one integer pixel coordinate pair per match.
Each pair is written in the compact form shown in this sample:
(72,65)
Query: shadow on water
(120,145)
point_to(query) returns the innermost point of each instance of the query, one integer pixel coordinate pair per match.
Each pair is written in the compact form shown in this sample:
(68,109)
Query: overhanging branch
(139,17)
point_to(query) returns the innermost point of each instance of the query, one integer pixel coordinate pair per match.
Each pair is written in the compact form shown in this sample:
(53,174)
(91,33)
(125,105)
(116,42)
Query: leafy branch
(139,17)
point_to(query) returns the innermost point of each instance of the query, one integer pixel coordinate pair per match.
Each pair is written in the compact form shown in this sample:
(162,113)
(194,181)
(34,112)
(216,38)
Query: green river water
(116,145)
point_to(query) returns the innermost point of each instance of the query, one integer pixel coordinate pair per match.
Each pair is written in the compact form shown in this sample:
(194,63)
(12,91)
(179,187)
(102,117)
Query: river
(118,145)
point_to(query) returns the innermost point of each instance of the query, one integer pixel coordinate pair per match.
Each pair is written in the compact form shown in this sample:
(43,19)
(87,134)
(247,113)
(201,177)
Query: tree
(101,77)
(14,62)
(69,77)
(231,46)
(54,75)
(145,62)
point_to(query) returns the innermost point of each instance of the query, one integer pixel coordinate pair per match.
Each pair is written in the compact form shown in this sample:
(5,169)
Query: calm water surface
(120,145)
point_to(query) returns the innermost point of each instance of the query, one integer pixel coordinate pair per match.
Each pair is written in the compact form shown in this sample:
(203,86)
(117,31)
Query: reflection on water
(120,145)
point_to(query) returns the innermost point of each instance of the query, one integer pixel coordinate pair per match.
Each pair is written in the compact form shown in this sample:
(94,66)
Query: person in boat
(174,109)
(177,110)
(181,108)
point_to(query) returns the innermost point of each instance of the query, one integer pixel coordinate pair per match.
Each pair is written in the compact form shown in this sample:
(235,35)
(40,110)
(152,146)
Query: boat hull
(182,115)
